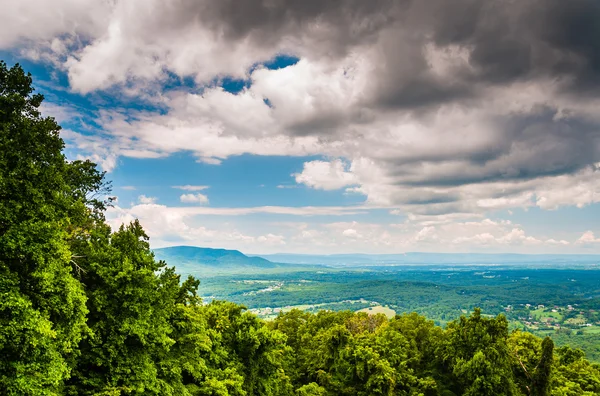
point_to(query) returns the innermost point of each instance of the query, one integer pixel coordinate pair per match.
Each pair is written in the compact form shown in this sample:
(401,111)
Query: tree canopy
(86,310)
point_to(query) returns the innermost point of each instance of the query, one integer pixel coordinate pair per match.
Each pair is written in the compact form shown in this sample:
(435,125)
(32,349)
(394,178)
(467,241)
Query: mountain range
(201,261)
(423,258)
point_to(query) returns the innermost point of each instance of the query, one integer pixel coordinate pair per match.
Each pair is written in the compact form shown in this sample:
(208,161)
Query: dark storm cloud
(345,22)
(526,39)
(530,146)
(430,93)
(506,40)
(502,41)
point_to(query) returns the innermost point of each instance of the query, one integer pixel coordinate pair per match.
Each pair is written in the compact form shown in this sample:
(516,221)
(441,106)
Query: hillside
(201,261)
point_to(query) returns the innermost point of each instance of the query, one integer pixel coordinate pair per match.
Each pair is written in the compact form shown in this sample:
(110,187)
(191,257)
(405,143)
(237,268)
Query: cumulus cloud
(194,198)
(516,236)
(560,242)
(144,200)
(325,175)
(588,238)
(271,239)
(310,229)
(351,233)
(429,108)
(426,234)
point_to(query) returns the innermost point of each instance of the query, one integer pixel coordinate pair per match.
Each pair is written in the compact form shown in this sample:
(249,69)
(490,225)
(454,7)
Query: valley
(558,297)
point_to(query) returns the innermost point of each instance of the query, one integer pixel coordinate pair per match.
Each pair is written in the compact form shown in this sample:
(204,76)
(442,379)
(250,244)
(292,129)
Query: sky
(329,126)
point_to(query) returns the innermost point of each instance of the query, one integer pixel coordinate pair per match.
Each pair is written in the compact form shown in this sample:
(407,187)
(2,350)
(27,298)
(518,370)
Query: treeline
(88,311)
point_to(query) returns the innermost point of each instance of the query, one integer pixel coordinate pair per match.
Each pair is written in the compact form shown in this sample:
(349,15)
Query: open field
(387,311)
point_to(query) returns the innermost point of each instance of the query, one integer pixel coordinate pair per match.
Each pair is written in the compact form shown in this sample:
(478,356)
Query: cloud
(588,238)
(516,236)
(429,108)
(271,239)
(144,200)
(129,188)
(324,175)
(560,242)
(351,233)
(169,226)
(426,234)
(189,187)
(194,198)
(309,229)
(39,22)
(242,211)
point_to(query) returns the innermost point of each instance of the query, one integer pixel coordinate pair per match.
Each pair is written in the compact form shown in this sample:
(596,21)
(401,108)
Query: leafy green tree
(540,378)
(423,337)
(532,362)
(312,389)
(251,349)
(43,200)
(131,301)
(475,351)
(573,375)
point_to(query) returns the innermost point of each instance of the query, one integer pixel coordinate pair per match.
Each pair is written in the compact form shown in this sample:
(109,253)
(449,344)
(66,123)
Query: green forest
(86,310)
(559,303)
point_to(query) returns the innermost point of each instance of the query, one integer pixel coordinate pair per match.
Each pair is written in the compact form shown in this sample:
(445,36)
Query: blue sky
(268,135)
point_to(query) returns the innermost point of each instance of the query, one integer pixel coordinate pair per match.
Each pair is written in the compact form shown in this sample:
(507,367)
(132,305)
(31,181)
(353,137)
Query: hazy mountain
(416,258)
(207,262)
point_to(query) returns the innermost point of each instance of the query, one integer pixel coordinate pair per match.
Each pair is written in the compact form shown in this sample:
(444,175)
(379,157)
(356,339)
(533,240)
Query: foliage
(40,210)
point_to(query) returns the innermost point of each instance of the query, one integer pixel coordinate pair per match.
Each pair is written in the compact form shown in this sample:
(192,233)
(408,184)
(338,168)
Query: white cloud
(144,200)
(517,235)
(588,238)
(43,22)
(479,239)
(241,211)
(444,164)
(351,233)
(426,234)
(194,198)
(518,201)
(172,226)
(189,187)
(129,188)
(325,175)
(271,239)
(393,158)
(306,230)
(560,242)
(499,236)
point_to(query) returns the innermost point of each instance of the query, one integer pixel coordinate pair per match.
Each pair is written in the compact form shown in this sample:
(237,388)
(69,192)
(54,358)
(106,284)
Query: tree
(475,351)
(41,199)
(312,389)
(131,301)
(540,379)
(573,375)
(532,362)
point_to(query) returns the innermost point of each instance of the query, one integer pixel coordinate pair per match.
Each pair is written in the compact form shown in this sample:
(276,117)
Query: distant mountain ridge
(208,261)
(209,256)
(200,261)
(421,258)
